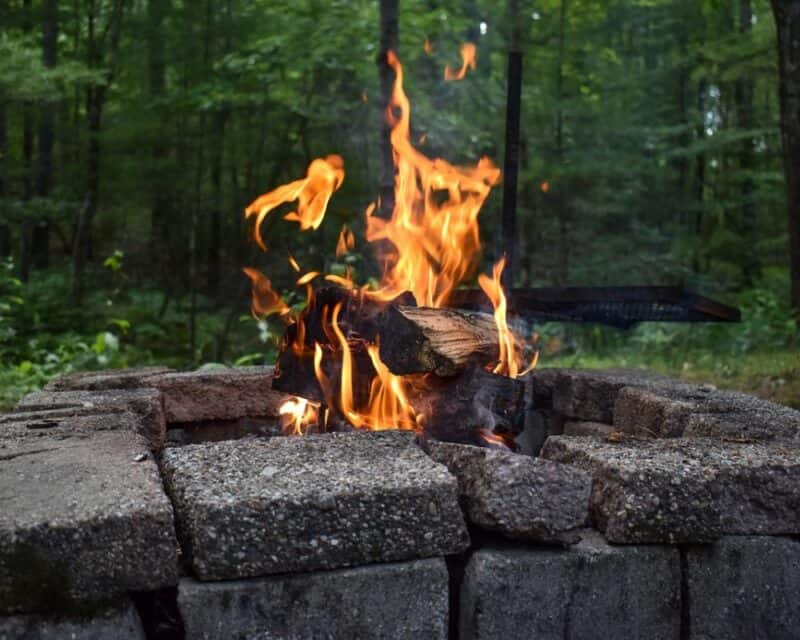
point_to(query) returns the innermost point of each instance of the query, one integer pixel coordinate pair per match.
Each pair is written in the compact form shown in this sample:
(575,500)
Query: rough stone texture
(84,515)
(577,428)
(395,600)
(219,394)
(703,411)
(587,394)
(146,403)
(119,624)
(591,591)
(744,587)
(257,507)
(686,489)
(521,497)
(107,379)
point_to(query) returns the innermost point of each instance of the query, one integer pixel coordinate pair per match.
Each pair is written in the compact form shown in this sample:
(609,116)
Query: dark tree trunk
(95,101)
(214,262)
(744,107)
(388,42)
(160,202)
(564,222)
(5,230)
(40,246)
(699,186)
(787,22)
(27,157)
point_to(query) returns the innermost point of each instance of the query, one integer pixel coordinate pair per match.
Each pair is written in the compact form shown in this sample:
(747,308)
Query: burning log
(440,341)
(463,407)
(434,358)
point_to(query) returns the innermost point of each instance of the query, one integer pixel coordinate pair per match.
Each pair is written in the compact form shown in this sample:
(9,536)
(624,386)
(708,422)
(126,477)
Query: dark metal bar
(511,165)
(620,307)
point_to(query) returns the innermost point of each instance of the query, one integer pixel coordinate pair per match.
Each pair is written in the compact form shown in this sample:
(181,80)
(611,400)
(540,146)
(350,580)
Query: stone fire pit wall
(154,504)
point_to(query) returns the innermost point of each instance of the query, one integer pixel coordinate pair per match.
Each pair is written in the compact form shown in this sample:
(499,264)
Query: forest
(659,145)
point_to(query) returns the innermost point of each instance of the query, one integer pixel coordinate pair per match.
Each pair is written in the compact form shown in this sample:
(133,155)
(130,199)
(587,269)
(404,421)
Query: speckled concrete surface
(250,508)
(391,600)
(84,517)
(685,489)
(520,497)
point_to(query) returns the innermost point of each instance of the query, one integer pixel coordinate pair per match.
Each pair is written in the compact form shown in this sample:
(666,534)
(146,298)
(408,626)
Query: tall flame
(434,224)
(509,359)
(468,61)
(433,243)
(323,177)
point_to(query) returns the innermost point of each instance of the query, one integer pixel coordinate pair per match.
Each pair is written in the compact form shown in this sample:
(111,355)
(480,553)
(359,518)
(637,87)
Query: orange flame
(427,46)
(265,300)
(492,439)
(434,224)
(434,242)
(323,177)
(468,61)
(346,242)
(297,414)
(509,359)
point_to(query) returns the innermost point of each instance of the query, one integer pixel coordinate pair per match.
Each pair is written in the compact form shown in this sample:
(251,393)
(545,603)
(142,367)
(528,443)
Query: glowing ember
(492,439)
(468,61)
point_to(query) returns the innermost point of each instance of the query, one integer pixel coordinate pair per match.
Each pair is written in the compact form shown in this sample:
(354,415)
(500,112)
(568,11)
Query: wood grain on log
(439,341)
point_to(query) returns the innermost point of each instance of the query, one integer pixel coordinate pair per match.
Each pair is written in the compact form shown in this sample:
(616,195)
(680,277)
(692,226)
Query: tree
(40,243)
(787,23)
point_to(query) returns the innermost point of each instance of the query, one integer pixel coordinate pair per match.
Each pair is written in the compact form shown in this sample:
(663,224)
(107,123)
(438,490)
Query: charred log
(456,409)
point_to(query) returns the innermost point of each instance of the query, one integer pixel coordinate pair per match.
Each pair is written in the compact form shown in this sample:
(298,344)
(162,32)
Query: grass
(771,375)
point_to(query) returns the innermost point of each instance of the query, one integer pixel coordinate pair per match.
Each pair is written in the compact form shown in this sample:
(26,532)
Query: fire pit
(401,472)
(655,509)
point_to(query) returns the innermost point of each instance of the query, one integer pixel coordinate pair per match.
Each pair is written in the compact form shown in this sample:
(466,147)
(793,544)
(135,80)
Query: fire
(509,359)
(427,47)
(323,177)
(434,245)
(468,61)
(434,224)
(265,301)
(492,439)
(346,242)
(297,414)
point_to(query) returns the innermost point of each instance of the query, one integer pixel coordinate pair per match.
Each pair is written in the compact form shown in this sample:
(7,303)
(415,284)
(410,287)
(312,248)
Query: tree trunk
(787,22)
(743,93)
(388,42)
(95,101)
(160,202)
(27,156)
(564,223)
(214,258)
(5,230)
(40,246)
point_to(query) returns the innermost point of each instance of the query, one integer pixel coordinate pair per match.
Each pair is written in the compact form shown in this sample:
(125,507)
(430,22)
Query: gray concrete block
(744,588)
(219,394)
(84,517)
(593,590)
(521,497)
(686,489)
(106,379)
(257,507)
(394,600)
(119,624)
(584,428)
(590,394)
(702,411)
(146,403)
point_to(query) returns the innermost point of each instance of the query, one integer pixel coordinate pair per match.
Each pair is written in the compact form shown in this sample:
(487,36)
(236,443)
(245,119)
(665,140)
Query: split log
(439,341)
